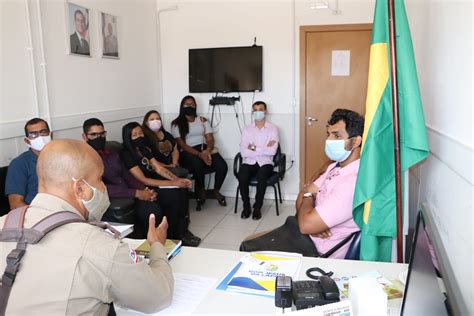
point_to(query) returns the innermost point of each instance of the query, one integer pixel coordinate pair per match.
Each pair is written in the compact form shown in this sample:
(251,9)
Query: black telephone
(308,293)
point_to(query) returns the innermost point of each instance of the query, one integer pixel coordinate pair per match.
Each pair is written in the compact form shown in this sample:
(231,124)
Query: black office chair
(279,162)
(4,204)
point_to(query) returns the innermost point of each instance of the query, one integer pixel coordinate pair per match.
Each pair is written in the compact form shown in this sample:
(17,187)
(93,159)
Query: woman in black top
(138,158)
(194,136)
(162,143)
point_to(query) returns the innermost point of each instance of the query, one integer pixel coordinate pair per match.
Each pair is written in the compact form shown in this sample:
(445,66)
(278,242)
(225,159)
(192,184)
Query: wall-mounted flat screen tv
(226,69)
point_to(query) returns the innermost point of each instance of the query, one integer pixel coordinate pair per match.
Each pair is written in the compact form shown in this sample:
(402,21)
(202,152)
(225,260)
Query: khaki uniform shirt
(79,268)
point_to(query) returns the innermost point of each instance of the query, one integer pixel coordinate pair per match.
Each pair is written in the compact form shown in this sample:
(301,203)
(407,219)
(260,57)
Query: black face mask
(189,111)
(139,142)
(97,143)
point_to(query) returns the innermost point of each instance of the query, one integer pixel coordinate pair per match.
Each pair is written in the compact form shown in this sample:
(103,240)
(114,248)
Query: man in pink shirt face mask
(258,145)
(324,205)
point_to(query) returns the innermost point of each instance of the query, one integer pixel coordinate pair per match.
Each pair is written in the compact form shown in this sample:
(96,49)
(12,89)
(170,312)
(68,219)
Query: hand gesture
(157,234)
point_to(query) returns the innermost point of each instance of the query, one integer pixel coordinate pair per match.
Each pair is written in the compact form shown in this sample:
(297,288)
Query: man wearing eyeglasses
(21,184)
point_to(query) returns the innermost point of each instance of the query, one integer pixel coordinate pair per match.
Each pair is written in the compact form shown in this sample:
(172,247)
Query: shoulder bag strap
(14,231)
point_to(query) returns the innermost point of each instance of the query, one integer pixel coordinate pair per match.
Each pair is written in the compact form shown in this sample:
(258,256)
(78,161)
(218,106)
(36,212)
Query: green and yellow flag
(374,207)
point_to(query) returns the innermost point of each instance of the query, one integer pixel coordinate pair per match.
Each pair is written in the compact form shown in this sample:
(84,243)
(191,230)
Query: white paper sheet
(189,291)
(341,63)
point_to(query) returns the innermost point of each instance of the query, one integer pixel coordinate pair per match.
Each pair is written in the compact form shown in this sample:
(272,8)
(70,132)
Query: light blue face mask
(258,115)
(336,151)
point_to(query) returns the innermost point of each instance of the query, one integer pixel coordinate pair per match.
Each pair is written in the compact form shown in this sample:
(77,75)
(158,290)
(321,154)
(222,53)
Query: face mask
(335,150)
(97,205)
(139,142)
(189,111)
(39,142)
(258,115)
(154,125)
(97,143)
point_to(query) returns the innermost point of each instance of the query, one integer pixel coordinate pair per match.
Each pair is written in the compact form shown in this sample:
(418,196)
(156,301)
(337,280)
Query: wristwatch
(308,195)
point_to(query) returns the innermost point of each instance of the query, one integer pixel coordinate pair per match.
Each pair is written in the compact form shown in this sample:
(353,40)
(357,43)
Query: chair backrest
(279,161)
(237,163)
(353,253)
(4,205)
(113,146)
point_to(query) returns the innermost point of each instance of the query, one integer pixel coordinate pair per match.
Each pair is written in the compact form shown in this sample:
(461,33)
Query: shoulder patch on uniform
(134,256)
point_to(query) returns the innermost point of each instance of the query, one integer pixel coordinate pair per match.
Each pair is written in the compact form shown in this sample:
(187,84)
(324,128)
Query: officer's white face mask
(39,142)
(97,205)
(336,151)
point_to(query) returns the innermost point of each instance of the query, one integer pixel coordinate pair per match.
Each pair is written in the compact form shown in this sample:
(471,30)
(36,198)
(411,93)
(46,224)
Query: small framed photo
(109,25)
(78,29)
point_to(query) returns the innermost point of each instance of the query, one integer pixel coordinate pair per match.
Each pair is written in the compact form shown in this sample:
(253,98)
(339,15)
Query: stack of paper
(256,272)
(172,246)
(123,229)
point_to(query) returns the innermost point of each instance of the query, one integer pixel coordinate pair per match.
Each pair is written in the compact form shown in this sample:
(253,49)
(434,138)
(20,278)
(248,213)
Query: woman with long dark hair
(194,136)
(172,191)
(162,144)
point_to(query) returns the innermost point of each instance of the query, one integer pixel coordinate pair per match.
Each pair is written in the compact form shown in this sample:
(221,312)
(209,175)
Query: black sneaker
(191,242)
(257,214)
(245,214)
(190,235)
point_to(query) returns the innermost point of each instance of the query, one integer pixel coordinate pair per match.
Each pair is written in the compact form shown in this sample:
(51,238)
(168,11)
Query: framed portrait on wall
(78,29)
(109,30)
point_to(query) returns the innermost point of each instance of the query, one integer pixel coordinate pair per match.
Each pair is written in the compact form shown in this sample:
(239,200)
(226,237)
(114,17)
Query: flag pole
(396,130)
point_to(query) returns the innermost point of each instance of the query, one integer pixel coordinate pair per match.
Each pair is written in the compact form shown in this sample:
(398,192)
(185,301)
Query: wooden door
(324,88)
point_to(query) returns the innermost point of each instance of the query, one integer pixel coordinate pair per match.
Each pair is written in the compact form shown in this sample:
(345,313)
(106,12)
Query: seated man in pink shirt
(324,206)
(258,145)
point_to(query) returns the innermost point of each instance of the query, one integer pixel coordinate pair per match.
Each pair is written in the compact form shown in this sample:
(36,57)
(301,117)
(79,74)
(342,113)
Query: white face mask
(154,125)
(258,115)
(39,142)
(97,205)
(336,151)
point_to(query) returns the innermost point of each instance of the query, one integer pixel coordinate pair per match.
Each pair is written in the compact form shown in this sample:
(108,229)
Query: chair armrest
(338,246)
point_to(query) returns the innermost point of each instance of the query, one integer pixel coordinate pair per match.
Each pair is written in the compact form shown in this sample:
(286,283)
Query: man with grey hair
(80,267)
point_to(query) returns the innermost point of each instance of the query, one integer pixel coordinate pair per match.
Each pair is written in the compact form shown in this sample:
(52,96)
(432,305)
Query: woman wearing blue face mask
(196,141)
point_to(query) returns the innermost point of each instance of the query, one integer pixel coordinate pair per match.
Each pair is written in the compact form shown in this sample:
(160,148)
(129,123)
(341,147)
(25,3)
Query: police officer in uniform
(79,268)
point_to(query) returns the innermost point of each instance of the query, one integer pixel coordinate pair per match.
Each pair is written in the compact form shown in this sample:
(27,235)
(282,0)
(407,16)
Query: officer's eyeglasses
(35,134)
(95,135)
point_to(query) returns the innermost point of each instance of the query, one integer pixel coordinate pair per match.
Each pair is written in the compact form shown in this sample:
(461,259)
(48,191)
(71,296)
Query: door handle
(310,120)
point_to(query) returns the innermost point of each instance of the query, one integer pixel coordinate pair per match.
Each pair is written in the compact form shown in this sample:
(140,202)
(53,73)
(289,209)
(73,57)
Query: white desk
(217,263)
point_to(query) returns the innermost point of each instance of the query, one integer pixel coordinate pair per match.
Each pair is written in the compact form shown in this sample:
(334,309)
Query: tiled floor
(220,228)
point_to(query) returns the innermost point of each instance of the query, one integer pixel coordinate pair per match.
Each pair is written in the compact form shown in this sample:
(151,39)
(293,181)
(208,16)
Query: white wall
(201,24)
(442,35)
(77,87)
